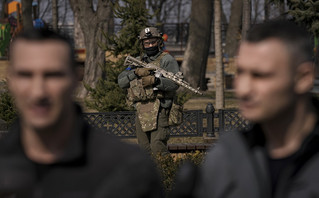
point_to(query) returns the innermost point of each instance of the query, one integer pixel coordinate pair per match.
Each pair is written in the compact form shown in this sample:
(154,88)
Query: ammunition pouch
(137,93)
(175,116)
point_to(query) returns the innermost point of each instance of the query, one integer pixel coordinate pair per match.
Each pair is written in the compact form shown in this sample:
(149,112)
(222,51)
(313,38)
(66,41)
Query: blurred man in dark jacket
(51,151)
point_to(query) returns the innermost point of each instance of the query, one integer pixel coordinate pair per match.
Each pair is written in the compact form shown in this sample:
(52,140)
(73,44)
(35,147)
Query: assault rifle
(177,78)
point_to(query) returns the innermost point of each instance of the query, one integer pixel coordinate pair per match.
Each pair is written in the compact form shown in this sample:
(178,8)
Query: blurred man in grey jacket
(279,156)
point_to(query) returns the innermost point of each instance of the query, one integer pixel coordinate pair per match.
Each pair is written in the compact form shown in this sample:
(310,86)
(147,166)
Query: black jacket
(93,165)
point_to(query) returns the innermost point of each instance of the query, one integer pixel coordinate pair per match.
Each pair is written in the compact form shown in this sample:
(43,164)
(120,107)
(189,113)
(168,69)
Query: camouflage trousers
(154,141)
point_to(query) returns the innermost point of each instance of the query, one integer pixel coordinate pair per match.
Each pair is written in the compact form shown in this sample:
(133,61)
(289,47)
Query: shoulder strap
(157,62)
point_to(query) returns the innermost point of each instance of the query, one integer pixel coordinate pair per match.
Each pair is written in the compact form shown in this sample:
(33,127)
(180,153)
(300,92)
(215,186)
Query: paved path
(201,103)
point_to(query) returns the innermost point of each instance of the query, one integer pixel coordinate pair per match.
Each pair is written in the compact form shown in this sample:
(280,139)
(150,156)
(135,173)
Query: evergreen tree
(107,95)
(8,111)
(306,12)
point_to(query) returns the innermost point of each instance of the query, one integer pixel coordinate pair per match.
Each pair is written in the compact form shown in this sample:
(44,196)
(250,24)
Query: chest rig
(146,100)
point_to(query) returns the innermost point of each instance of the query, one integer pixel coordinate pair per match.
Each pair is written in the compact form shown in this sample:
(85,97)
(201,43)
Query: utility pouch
(147,113)
(137,93)
(175,115)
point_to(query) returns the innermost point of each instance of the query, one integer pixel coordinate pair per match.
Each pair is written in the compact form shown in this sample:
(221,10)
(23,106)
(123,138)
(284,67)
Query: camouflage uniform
(152,114)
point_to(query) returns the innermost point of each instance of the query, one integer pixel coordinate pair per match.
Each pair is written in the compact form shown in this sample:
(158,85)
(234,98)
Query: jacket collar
(149,59)
(256,137)
(74,151)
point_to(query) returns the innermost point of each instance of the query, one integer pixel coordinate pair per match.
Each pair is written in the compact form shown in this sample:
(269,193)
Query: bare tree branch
(27,13)
(48,6)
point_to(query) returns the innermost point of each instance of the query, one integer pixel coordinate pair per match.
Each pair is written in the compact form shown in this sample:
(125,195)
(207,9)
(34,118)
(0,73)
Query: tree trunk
(55,15)
(256,11)
(3,11)
(179,7)
(93,24)
(316,44)
(282,9)
(27,14)
(78,34)
(233,30)
(44,10)
(267,9)
(157,6)
(224,18)
(246,17)
(220,104)
(196,53)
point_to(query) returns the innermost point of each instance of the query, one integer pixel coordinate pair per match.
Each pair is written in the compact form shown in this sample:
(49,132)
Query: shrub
(168,166)
(107,95)
(182,97)
(7,109)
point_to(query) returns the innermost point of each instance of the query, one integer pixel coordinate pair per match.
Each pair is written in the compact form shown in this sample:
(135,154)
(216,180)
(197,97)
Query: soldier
(151,94)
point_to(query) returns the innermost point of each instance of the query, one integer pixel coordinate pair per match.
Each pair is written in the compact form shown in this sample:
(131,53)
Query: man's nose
(38,88)
(243,86)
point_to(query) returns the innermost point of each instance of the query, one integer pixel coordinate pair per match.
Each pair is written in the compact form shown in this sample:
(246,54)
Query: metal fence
(195,123)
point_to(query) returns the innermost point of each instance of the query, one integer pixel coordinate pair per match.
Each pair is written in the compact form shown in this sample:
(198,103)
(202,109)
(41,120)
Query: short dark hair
(45,34)
(296,38)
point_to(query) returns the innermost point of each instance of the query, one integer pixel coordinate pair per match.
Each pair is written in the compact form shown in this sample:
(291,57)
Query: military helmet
(150,32)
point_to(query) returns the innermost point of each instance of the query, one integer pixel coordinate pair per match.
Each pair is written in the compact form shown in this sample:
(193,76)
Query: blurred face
(41,80)
(264,83)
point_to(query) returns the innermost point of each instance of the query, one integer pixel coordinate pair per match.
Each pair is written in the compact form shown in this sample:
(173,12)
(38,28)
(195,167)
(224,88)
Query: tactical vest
(147,100)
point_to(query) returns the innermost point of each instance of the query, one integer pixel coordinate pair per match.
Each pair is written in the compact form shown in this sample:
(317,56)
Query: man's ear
(304,77)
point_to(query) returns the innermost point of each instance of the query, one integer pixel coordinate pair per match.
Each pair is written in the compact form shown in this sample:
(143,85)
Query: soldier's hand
(148,80)
(143,71)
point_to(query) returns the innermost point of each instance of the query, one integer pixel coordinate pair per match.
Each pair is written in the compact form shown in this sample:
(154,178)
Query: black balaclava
(151,51)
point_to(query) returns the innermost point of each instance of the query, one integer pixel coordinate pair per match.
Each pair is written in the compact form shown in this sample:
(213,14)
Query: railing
(122,124)
(230,119)
(195,122)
